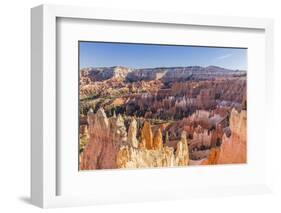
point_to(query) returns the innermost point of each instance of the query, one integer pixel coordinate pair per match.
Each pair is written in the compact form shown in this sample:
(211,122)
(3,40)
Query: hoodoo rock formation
(100,149)
(233,149)
(157,140)
(213,157)
(118,129)
(130,157)
(157,156)
(110,146)
(167,116)
(182,153)
(132,134)
(146,135)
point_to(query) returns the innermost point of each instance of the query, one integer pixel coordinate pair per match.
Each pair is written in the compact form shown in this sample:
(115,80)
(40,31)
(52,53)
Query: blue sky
(99,54)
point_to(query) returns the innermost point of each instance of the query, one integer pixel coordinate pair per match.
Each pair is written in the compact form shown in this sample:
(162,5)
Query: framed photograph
(129,106)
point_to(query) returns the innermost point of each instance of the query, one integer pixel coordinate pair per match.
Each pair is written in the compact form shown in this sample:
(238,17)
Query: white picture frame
(44,153)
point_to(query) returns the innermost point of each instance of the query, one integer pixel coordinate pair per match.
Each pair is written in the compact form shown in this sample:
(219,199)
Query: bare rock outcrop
(214,155)
(132,134)
(101,149)
(103,73)
(182,153)
(233,149)
(160,156)
(170,74)
(129,157)
(98,122)
(157,140)
(147,136)
(117,129)
(110,147)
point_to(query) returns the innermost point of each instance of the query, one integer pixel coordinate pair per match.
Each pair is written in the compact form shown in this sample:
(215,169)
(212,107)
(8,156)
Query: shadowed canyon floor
(162,117)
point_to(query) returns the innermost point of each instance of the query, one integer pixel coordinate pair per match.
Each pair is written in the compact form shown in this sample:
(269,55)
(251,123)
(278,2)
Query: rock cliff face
(169,74)
(182,153)
(117,129)
(145,74)
(233,149)
(146,136)
(157,140)
(213,157)
(98,151)
(132,134)
(90,74)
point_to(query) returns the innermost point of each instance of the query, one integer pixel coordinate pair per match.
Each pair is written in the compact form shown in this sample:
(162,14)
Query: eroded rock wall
(234,148)
(105,138)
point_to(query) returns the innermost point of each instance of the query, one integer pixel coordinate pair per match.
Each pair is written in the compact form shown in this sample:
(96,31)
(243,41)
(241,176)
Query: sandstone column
(182,152)
(132,134)
(157,140)
(146,135)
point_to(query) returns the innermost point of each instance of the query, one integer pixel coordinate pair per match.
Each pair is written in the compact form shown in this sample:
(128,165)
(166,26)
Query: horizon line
(164,67)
